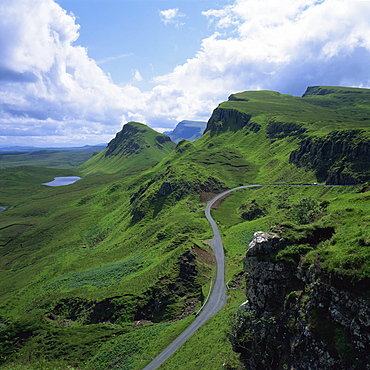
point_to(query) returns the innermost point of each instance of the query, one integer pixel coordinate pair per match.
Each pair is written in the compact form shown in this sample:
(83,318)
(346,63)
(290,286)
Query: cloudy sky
(72,72)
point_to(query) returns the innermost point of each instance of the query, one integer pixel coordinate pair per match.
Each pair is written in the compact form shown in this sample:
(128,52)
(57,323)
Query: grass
(209,348)
(39,365)
(77,238)
(99,277)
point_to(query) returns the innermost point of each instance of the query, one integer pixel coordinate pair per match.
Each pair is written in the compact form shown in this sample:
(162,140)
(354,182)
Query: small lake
(62,181)
(3,208)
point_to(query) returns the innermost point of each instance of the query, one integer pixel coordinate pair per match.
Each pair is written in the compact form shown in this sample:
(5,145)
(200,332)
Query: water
(62,181)
(3,208)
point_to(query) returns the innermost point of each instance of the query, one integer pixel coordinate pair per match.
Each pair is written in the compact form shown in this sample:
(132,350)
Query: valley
(108,271)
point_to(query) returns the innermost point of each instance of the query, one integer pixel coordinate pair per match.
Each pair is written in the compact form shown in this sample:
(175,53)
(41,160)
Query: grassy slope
(71,235)
(149,152)
(83,233)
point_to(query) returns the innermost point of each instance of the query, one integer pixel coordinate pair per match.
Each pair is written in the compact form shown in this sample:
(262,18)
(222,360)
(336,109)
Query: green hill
(325,133)
(135,148)
(105,272)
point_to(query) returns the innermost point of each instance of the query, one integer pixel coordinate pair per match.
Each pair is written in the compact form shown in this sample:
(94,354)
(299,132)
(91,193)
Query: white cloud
(171,16)
(137,75)
(50,90)
(283,46)
(112,59)
(47,85)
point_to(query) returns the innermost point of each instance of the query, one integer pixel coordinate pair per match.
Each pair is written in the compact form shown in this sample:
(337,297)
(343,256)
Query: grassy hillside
(323,135)
(134,149)
(103,273)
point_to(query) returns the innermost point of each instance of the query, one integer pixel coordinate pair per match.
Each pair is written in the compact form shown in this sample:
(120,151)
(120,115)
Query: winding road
(217,298)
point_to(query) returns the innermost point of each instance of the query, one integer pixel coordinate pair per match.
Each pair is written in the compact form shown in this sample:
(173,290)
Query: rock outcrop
(340,158)
(223,120)
(279,130)
(294,318)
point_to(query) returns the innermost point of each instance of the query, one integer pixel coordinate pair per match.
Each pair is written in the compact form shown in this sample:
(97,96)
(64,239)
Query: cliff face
(230,119)
(295,320)
(341,157)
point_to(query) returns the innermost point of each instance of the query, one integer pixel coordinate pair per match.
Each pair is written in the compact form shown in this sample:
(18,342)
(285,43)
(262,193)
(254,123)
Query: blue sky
(127,37)
(72,72)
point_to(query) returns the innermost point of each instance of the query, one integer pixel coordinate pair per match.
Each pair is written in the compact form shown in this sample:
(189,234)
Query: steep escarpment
(84,263)
(295,317)
(341,157)
(279,130)
(324,133)
(223,120)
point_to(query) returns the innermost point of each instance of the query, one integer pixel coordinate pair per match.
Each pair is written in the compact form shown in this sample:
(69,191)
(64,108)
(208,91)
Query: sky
(73,72)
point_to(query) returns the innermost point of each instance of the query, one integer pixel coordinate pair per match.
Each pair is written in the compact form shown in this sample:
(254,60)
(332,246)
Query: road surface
(217,298)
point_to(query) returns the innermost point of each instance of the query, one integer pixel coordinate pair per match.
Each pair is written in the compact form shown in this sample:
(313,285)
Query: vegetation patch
(98,277)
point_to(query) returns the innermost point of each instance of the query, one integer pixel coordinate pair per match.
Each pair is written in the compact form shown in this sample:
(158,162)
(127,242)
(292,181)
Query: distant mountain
(135,148)
(189,130)
(15,148)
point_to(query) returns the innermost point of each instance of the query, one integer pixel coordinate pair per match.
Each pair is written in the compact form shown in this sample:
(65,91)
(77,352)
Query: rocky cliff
(295,318)
(341,157)
(223,120)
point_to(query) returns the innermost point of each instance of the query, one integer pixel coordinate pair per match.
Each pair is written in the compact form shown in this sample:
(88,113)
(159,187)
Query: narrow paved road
(216,300)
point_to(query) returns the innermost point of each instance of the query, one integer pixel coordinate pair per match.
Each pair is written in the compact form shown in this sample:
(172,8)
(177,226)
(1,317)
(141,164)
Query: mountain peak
(135,146)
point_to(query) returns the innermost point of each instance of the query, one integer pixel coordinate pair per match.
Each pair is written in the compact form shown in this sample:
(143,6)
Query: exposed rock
(294,320)
(230,119)
(162,301)
(252,211)
(340,158)
(279,130)
(126,142)
(263,243)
